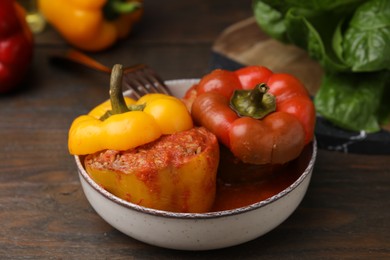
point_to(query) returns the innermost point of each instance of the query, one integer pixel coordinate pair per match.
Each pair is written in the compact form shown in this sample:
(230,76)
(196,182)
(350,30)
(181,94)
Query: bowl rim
(214,214)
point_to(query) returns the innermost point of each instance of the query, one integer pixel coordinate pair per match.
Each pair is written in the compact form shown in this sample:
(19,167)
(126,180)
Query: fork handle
(83,59)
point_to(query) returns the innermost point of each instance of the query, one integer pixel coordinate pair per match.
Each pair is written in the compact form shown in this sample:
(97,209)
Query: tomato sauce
(234,193)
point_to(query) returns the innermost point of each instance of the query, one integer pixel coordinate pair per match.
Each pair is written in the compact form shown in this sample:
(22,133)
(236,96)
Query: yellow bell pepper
(101,109)
(92,25)
(122,124)
(186,183)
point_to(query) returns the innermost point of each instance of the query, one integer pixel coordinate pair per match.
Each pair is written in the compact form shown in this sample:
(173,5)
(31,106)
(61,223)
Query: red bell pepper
(262,117)
(16,45)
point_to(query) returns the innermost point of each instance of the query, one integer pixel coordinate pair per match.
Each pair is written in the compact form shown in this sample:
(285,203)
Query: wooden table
(44,213)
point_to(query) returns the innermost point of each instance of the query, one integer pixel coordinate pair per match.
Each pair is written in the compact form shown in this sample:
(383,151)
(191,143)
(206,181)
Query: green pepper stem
(114,8)
(125,7)
(257,94)
(255,103)
(118,103)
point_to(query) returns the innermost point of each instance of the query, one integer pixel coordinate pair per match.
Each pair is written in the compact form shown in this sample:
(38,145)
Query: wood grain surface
(45,215)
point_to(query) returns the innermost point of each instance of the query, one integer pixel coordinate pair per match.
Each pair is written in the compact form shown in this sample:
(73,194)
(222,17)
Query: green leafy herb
(366,41)
(350,39)
(272,20)
(353,100)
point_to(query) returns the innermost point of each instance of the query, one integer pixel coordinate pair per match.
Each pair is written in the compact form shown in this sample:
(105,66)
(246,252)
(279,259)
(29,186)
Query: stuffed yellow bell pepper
(147,151)
(175,173)
(92,25)
(122,124)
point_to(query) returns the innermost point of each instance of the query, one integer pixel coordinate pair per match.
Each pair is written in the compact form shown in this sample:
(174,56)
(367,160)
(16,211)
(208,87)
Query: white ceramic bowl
(200,231)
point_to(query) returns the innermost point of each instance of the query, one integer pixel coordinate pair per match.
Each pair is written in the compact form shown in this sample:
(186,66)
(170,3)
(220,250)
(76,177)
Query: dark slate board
(328,136)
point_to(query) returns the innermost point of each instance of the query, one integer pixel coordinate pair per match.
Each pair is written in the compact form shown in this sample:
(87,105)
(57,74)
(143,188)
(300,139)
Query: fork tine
(145,80)
(134,86)
(158,83)
(137,84)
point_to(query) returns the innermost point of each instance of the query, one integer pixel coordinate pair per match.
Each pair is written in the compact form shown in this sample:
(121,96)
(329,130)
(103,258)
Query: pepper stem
(255,103)
(118,103)
(113,8)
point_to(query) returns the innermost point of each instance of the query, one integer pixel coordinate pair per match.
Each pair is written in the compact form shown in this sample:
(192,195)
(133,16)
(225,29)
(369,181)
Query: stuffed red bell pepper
(261,116)
(16,45)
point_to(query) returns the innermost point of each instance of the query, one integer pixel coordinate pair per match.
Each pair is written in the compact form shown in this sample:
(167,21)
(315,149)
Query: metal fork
(140,79)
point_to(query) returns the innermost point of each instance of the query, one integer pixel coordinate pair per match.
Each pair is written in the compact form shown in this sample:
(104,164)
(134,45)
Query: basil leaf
(366,41)
(337,41)
(301,30)
(270,19)
(324,5)
(354,101)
